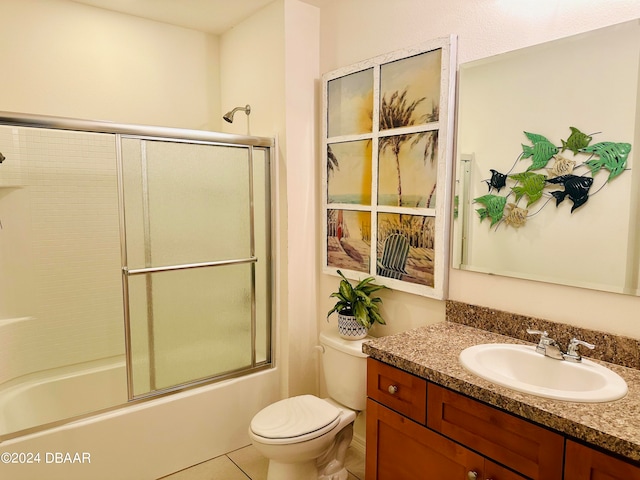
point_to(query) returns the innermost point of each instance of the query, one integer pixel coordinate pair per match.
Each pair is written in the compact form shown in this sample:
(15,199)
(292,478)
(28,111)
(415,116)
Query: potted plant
(357,309)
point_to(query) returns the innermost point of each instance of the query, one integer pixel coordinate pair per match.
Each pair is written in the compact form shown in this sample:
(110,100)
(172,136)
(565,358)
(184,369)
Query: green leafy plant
(357,301)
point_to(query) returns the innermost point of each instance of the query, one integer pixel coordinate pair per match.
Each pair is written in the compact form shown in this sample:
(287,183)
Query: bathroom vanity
(428,418)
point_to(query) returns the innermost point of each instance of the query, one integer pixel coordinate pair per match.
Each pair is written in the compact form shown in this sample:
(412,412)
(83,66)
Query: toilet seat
(295,419)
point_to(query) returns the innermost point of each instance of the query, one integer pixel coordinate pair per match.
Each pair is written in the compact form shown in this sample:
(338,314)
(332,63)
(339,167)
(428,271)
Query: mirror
(551,131)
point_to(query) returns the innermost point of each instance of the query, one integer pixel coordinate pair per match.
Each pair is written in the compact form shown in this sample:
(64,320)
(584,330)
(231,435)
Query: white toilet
(306,437)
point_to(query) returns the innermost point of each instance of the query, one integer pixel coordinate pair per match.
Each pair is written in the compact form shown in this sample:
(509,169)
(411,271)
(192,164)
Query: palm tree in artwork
(396,112)
(431,146)
(332,161)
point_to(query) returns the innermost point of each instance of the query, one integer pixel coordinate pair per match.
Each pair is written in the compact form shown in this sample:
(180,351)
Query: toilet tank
(345,369)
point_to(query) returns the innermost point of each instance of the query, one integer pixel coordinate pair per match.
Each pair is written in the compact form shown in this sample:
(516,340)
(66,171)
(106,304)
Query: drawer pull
(471,475)
(392,389)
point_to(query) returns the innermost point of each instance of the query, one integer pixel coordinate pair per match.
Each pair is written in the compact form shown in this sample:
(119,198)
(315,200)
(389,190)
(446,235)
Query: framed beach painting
(387,143)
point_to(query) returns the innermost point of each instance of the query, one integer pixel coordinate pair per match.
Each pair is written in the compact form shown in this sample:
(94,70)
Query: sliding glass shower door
(197,277)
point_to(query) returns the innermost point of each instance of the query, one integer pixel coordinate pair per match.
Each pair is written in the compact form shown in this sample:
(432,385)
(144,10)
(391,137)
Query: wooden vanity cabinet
(585,463)
(400,446)
(419,430)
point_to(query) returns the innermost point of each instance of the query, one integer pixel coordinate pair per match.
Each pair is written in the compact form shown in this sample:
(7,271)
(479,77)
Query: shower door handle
(140,271)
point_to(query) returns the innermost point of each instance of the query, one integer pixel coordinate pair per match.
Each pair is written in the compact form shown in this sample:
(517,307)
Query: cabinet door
(527,448)
(493,471)
(584,463)
(400,449)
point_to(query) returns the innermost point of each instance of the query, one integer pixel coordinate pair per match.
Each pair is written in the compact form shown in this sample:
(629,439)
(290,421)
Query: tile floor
(247,464)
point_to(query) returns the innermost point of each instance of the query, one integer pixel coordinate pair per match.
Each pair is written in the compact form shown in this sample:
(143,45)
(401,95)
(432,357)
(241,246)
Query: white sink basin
(521,368)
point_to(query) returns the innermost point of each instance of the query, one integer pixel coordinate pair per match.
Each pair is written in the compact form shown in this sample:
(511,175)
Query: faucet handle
(572,349)
(544,342)
(537,332)
(544,336)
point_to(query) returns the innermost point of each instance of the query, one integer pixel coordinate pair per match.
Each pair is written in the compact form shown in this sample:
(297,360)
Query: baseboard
(359,444)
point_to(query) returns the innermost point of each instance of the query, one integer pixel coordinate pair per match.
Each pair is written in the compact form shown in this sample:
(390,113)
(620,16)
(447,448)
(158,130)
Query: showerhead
(229,115)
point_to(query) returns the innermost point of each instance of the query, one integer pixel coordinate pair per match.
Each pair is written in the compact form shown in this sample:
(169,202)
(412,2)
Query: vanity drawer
(523,446)
(398,390)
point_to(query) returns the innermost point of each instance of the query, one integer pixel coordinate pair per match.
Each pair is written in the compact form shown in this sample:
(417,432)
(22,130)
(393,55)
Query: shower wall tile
(65,264)
(11,170)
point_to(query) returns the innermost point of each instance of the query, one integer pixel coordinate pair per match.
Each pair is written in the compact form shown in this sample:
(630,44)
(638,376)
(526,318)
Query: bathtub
(144,440)
(62,393)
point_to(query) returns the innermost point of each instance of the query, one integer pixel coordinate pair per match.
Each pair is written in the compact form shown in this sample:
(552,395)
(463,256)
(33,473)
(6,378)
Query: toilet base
(329,466)
(341,475)
(292,471)
(305,471)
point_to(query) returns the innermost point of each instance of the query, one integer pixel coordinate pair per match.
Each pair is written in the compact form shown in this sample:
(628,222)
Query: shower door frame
(172,134)
(127,272)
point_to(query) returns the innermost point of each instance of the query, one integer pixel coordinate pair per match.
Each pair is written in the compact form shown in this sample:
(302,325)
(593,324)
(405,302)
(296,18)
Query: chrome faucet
(548,347)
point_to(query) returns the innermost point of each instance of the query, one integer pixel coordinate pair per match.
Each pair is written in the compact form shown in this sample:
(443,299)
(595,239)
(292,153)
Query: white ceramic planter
(350,329)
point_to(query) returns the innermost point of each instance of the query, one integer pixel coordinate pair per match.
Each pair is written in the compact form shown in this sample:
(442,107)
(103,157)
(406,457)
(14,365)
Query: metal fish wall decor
(535,186)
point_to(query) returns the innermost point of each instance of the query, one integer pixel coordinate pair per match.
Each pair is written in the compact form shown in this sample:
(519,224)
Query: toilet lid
(295,417)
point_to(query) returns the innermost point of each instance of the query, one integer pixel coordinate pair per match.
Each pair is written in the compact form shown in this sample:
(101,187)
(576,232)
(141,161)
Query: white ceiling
(213,16)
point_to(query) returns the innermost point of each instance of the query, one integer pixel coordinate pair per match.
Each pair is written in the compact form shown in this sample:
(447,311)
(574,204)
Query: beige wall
(302,51)
(355,30)
(270,61)
(252,72)
(66,59)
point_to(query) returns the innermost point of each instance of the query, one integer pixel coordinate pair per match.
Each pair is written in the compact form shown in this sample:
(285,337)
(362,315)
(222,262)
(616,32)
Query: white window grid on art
(440,213)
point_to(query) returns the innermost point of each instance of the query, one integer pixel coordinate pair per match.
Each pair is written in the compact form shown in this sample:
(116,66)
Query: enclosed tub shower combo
(135,262)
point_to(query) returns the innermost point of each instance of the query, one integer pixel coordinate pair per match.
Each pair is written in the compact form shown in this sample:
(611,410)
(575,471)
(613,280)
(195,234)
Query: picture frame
(387,161)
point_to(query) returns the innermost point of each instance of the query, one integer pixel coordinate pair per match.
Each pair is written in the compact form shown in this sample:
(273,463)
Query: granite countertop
(431,352)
